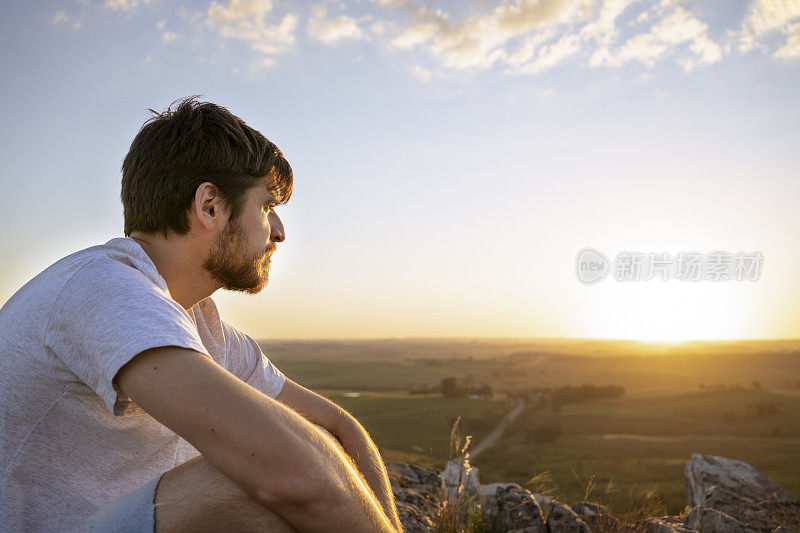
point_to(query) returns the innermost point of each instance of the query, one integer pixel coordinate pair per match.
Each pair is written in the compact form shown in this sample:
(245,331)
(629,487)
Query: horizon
(531,339)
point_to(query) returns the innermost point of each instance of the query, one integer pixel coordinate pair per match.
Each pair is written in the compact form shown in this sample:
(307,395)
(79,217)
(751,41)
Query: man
(127,404)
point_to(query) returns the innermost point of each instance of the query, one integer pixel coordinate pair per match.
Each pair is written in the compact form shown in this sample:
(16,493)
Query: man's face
(240,255)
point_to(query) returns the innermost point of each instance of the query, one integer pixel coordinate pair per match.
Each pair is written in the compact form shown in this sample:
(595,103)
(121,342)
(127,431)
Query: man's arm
(266,448)
(353,437)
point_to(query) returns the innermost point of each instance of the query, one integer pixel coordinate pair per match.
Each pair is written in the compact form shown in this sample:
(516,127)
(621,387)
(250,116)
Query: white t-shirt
(69,442)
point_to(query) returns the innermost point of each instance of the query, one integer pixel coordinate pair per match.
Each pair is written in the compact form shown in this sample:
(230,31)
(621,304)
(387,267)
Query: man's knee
(195,496)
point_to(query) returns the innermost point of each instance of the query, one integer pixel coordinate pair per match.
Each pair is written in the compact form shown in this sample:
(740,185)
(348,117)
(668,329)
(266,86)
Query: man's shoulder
(108,268)
(117,255)
(48,283)
(118,259)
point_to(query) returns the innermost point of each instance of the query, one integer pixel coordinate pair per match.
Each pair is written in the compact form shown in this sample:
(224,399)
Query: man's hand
(352,436)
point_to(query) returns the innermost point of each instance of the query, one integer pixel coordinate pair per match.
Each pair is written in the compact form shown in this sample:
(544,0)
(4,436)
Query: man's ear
(208,206)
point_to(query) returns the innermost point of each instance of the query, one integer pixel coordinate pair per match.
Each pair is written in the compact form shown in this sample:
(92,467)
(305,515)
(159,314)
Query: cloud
(553,54)
(251,21)
(514,36)
(421,73)
(124,5)
(603,30)
(378,28)
(527,50)
(334,30)
(766,17)
(531,36)
(479,41)
(675,29)
(62,17)
(791,49)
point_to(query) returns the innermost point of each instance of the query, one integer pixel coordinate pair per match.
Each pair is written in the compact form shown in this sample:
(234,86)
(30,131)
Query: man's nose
(277,233)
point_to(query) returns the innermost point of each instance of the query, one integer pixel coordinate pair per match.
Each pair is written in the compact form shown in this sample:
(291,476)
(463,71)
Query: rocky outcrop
(707,519)
(723,495)
(738,491)
(562,518)
(460,473)
(513,508)
(597,517)
(418,494)
(665,524)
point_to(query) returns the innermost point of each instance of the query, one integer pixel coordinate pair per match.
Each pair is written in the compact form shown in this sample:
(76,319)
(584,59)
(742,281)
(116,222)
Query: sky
(451,159)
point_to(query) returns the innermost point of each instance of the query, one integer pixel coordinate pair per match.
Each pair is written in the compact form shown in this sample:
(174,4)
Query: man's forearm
(348,504)
(349,507)
(359,447)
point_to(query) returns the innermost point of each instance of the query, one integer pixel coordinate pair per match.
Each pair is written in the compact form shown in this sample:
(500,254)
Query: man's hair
(177,150)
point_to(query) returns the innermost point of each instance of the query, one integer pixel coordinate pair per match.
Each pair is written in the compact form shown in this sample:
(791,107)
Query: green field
(417,428)
(678,401)
(644,444)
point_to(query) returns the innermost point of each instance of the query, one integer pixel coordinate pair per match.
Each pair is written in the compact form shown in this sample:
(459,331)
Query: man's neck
(179,262)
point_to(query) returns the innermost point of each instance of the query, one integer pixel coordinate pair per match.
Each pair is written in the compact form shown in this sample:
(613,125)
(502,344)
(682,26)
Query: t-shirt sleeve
(108,313)
(252,366)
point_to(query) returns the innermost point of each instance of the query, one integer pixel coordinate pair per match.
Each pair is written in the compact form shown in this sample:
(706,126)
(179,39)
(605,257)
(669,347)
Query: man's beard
(236,273)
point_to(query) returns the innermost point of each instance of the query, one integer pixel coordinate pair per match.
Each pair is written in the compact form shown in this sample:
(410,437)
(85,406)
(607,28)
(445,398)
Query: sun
(669,312)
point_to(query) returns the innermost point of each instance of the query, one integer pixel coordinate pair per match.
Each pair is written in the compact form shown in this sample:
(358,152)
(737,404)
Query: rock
(416,477)
(412,519)
(741,492)
(490,489)
(542,500)
(562,519)
(707,520)
(513,508)
(597,517)
(418,493)
(665,524)
(455,472)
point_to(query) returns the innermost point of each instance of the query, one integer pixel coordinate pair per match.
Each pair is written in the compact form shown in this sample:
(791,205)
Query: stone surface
(597,517)
(741,492)
(455,473)
(665,524)
(418,492)
(513,508)
(707,520)
(562,519)
(412,519)
(490,489)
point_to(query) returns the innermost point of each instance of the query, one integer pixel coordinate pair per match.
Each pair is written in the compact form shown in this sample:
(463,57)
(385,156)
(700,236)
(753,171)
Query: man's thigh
(194,496)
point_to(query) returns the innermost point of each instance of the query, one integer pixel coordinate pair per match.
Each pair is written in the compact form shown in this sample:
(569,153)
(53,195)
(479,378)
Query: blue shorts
(132,513)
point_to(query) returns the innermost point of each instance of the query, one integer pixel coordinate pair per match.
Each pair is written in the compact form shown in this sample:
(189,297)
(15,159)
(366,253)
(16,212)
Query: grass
(413,427)
(641,446)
